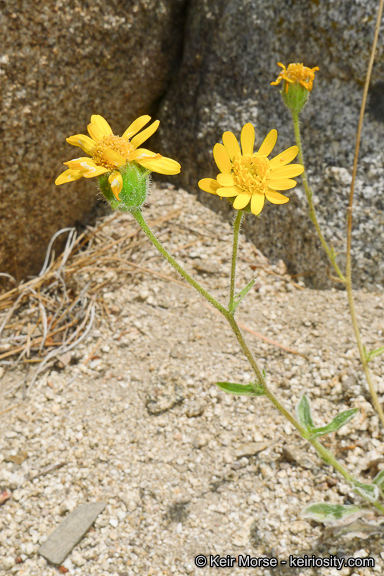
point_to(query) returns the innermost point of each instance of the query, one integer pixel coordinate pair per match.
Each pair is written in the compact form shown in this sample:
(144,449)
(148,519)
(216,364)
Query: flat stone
(250,449)
(70,532)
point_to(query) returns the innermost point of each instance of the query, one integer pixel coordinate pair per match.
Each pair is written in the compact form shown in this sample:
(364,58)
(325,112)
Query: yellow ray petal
(94,133)
(145,134)
(116,183)
(143,154)
(257,203)
(102,124)
(241,201)
(228,192)
(276,197)
(231,145)
(68,176)
(221,157)
(98,128)
(136,125)
(208,185)
(281,184)
(83,164)
(84,142)
(97,171)
(284,157)
(161,165)
(114,158)
(268,143)
(226,179)
(286,171)
(247,138)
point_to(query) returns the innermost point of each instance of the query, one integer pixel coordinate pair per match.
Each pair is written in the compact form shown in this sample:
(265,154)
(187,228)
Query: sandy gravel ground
(137,421)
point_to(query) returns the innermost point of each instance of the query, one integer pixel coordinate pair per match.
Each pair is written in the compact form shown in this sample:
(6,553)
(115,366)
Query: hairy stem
(323,453)
(236,229)
(136,213)
(308,193)
(348,268)
(345,279)
(363,358)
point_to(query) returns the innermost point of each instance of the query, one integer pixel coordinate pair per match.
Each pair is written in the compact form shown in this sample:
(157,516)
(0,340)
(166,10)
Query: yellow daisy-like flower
(110,153)
(250,177)
(296,73)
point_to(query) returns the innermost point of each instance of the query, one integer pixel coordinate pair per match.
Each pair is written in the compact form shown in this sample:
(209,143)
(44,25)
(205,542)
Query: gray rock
(229,59)
(59,65)
(59,544)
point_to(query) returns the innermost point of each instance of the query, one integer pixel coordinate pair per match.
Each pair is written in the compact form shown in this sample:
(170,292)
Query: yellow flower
(250,177)
(296,73)
(110,153)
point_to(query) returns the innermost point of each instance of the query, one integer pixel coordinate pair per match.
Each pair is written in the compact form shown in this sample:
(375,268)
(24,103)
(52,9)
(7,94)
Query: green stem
(308,192)
(347,280)
(323,453)
(348,267)
(136,213)
(236,229)
(360,346)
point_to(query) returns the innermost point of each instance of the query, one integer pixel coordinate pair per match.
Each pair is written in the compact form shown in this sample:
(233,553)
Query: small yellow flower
(110,153)
(250,177)
(296,74)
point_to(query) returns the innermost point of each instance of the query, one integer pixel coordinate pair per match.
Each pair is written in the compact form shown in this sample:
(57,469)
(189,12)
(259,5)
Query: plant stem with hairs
(322,452)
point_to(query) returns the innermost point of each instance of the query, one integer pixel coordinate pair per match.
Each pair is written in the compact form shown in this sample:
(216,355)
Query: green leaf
(304,413)
(239,297)
(371,355)
(333,253)
(379,480)
(339,421)
(241,389)
(327,513)
(368,491)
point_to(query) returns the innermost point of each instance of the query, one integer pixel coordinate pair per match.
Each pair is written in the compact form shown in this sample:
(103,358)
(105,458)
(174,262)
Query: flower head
(115,158)
(296,74)
(247,177)
(298,83)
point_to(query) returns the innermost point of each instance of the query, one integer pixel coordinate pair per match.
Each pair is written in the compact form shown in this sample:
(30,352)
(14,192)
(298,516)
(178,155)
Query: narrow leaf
(374,353)
(339,421)
(239,297)
(379,480)
(368,491)
(327,513)
(304,413)
(245,290)
(241,389)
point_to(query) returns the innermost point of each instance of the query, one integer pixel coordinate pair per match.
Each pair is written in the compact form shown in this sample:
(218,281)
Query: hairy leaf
(329,513)
(241,389)
(339,421)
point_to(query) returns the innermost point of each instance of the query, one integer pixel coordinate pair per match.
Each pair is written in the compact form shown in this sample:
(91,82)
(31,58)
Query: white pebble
(8,563)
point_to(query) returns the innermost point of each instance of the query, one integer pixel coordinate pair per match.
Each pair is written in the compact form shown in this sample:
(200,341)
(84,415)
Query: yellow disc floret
(101,152)
(250,173)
